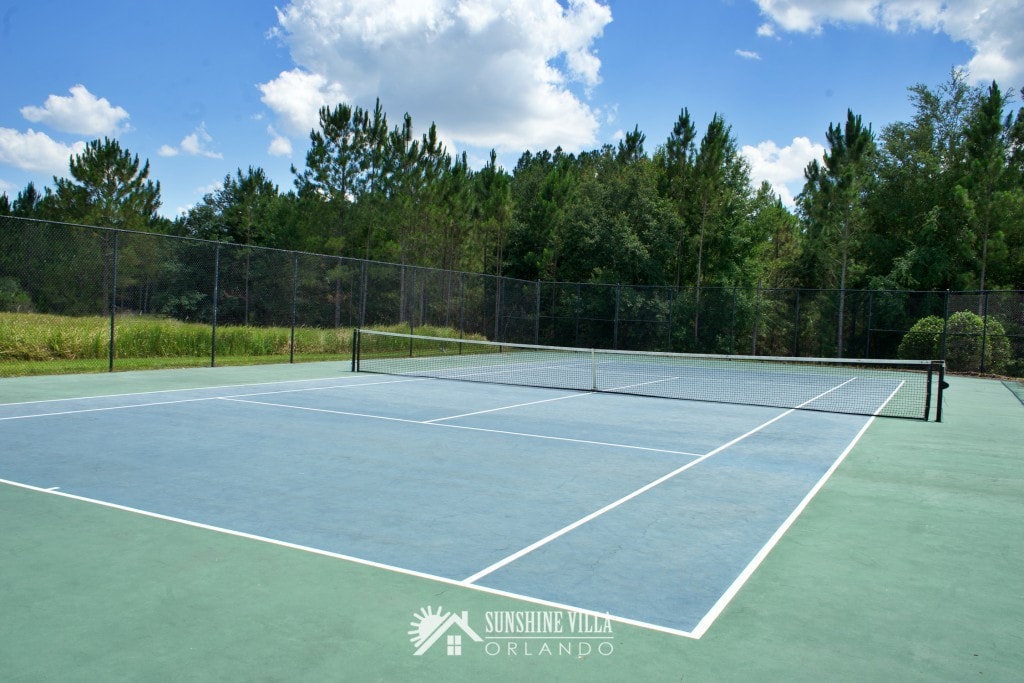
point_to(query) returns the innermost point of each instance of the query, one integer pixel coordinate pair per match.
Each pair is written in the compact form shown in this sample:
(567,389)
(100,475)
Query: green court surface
(905,566)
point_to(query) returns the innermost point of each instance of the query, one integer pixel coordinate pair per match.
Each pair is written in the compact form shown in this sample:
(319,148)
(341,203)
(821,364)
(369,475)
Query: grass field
(40,344)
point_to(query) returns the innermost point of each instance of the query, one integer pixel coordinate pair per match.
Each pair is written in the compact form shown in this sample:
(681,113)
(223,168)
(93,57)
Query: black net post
(355,349)
(942,387)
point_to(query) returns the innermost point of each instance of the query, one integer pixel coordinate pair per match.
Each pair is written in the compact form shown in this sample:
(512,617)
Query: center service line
(630,496)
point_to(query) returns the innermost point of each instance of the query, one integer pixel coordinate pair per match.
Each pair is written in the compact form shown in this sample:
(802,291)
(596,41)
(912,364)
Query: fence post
(732,323)
(615,324)
(364,279)
(498,291)
(757,319)
(945,324)
(576,341)
(462,306)
(295,294)
(536,319)
(412,308)
(113,305)
(871,305)
(248,274)
(671,307)
(796,327)
(216,296)
(984,327)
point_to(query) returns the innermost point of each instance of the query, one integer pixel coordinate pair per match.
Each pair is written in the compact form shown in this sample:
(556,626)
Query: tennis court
(647,515)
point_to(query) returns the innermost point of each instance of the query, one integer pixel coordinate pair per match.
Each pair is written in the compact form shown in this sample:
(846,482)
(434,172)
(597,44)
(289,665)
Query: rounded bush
(923,341)
(965,333)
(964,336)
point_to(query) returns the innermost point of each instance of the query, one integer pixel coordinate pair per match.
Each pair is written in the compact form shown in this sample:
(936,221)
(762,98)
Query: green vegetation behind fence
(170,297)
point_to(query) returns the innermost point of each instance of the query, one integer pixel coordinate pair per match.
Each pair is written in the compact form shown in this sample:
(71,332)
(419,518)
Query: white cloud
(296,96)
(992,29)
(210,188)
(32,151)
(747,54)
(82,114)
(783,167)
(489,72)
(193,144)
(280,146)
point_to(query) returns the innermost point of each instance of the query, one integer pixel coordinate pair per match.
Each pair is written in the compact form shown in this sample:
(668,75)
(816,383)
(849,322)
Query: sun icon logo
(427,622)
(431,624)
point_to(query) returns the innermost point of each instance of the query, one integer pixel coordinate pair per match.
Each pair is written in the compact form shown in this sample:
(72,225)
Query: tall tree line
(936,202)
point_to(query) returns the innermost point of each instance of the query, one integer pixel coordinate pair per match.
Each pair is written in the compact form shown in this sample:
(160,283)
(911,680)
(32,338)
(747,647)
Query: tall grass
(29,342)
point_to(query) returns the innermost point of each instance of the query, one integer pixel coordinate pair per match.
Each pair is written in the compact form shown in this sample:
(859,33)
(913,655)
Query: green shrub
(13,298)
(964,343)
(965,332)
(923,341)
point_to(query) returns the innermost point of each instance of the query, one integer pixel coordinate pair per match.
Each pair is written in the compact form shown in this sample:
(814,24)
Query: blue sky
(201,89)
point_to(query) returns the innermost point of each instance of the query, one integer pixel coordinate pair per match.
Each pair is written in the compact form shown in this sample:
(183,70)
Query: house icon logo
(430,626)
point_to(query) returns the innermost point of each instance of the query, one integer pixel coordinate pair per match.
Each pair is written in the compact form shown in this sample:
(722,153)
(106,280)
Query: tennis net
(892,388)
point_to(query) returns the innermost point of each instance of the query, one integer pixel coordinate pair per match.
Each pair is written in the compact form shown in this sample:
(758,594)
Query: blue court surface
(651,511)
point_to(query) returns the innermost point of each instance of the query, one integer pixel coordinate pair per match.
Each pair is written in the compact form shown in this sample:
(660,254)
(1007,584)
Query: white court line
(517,405)
(430,423)
(630,496)
(349,558)
(696,633)
(171,391)
(705,623)
(547,400)
(182,400)
(108,408)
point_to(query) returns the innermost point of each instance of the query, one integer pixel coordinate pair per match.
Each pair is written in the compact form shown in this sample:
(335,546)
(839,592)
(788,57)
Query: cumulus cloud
(489,73)
(991,28)
(33,151)
(296,97)
(747,54)
(783,167)
(82,114)
(280,146)
(194,144)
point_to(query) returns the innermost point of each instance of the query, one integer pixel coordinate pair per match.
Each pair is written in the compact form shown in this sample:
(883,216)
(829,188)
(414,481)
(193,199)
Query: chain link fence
(77,298)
